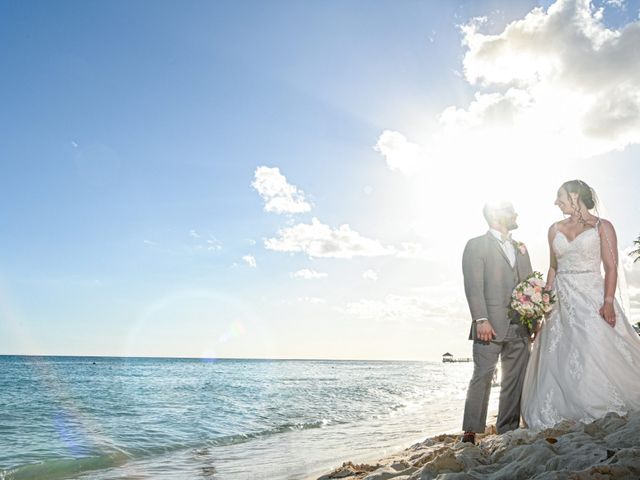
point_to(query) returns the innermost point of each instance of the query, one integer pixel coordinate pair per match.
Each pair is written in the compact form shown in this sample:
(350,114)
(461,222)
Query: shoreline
(607,448)
(380,457)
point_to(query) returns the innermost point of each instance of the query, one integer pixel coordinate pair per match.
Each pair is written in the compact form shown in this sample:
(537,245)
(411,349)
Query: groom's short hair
(491,208)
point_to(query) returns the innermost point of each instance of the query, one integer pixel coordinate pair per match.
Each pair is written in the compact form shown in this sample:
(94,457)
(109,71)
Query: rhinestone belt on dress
(573,272)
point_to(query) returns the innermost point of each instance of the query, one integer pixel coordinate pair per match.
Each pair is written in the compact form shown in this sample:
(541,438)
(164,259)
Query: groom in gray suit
(493,264)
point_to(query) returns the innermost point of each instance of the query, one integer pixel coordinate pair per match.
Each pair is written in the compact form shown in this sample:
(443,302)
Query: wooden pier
(448,358)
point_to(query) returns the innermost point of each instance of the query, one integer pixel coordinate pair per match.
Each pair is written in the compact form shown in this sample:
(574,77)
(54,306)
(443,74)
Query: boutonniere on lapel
(522,248)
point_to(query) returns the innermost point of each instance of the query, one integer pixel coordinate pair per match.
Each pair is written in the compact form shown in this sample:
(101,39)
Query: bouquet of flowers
(530,301)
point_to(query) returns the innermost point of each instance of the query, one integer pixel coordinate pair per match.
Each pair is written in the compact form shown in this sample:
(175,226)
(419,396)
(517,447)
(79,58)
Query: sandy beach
(605,449)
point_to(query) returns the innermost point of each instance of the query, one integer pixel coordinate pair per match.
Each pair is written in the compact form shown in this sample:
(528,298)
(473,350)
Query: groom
(493,264)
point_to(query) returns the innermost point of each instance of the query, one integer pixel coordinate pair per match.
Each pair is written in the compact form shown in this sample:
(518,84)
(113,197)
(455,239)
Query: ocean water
(149,418)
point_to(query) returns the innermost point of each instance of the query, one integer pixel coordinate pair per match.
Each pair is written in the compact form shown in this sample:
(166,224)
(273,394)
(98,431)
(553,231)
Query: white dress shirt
(507,246)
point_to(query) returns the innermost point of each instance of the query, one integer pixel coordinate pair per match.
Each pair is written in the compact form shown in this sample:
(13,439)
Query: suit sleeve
(529,268)
(473,264)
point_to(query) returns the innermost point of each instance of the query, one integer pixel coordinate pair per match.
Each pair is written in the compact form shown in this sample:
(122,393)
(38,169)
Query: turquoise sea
(151,418)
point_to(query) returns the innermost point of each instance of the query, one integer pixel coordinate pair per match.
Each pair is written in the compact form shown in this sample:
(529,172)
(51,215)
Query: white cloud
(370,275)
(211,243)
(631,267)
(279,195)
(308,274)
(319,240)
(557,83)
(424,305)
(417,251)
(634,303)
(312,300)
(628,260)
(250,260)
(400,153)
(634,297)
(632,278)
(567,76)
(616,3)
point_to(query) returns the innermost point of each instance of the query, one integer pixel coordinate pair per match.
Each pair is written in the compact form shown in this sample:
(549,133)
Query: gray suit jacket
(489,281)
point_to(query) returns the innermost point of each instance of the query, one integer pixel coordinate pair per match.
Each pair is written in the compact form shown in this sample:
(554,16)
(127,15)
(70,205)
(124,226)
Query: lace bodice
(580,254)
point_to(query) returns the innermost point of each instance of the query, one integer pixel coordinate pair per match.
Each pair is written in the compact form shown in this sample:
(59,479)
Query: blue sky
(131,134)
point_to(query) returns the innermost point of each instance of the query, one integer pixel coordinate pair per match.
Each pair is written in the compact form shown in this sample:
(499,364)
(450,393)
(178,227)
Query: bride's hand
(608,313)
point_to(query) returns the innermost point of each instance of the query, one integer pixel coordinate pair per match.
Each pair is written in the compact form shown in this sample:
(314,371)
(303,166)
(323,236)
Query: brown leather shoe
(469,437)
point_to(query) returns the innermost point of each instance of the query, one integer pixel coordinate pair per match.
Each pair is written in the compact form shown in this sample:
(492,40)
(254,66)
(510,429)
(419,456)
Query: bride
(585,360)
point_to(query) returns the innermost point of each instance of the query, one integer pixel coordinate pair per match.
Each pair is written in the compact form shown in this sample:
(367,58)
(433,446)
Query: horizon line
(211,358)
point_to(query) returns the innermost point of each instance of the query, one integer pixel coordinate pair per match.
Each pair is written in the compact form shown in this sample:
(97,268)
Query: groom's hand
(485,331)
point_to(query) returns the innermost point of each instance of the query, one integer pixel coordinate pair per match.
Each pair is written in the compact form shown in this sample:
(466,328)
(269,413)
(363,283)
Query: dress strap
(597,224)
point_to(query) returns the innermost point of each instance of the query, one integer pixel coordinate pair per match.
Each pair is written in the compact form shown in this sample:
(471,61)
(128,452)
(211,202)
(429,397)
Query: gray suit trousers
(514,352)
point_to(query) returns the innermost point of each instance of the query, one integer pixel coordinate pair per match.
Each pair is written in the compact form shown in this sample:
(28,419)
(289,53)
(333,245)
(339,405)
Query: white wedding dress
(580,367)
